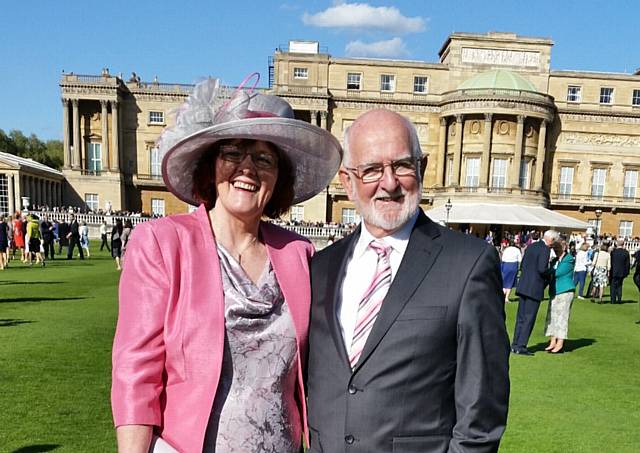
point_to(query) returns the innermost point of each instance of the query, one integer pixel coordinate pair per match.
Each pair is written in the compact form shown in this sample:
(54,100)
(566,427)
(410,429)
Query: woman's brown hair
(204,188)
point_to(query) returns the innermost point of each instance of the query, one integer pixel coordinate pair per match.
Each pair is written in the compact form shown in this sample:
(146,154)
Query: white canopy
(505,214)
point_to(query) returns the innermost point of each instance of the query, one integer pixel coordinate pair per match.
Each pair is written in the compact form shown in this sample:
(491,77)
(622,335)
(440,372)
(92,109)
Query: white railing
(94,221)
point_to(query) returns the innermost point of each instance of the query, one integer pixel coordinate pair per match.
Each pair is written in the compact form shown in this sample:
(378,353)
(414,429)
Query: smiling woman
(210,300)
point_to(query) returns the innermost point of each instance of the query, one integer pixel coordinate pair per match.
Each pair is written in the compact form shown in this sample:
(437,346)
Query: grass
(57,324)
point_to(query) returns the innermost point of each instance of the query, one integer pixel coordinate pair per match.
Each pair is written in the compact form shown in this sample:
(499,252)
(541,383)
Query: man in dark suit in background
(74,237)
(408,347)
(620,267)
(46,231)
(534,277)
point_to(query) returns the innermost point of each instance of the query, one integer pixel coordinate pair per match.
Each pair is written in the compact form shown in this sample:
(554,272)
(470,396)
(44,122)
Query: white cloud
(365,16)
(392,48)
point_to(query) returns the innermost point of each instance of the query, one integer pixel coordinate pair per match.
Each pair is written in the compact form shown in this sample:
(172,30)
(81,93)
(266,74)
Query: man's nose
(389,180)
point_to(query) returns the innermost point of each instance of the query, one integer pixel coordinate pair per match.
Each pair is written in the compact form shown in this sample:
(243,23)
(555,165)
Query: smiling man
(408,347)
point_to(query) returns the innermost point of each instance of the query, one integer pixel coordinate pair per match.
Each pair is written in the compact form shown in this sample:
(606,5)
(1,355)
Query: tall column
(77,148)
(37,191)
(49,193)
(105,136)
(323,119)
(442,152)
(11,194)
(32,190)
(517,155)
(115,131)
(59,193)
(457,156)
(540,157)
(486,150)
(18,192)
(314,117)
(66,152)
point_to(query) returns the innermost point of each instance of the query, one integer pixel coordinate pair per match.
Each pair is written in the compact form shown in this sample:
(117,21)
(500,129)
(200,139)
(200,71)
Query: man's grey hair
(551,235)
(620,242)
(416,150)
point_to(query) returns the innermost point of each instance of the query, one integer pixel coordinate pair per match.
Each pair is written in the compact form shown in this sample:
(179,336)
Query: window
(597,182)
(156,117)
(630,183)
(596,225)
(297,213)
(606,95)
(626,229)
(499,177)
(155,164)
(4,195)
(635,100)
(157,206)
(574,93)
(419,84)
(353,80)
(566,181)
(449,171)
(94,157)
(473,172)
(387,82)
(349,215)
(91,200)
(523,181)
(300,73)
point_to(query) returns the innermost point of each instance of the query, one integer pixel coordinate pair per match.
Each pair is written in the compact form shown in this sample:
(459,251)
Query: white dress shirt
(360,271)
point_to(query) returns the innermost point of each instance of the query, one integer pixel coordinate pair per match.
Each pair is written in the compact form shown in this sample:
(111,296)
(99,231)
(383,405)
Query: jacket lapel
(342,251)
(419,257)
(292,279)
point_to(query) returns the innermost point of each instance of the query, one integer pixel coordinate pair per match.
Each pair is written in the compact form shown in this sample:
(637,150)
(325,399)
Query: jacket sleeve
(138,348)
(482,369)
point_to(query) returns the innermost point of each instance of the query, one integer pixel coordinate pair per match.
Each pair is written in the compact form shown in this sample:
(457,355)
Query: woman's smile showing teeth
(245,186)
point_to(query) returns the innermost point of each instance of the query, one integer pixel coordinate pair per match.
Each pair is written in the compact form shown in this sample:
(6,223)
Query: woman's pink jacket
(167,351)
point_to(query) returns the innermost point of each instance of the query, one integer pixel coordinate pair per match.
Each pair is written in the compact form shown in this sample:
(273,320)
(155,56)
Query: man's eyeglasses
(264,160)
(373,172)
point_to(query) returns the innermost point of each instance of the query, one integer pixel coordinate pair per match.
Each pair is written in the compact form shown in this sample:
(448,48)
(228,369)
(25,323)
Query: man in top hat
(408,348)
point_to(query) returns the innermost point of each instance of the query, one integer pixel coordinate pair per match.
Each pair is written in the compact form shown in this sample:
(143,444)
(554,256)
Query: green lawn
(57,323)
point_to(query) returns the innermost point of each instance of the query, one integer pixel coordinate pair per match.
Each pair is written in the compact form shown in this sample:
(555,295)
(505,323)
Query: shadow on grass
(38,299)
(13,322)
(29,282)
(569,345)
(36,448)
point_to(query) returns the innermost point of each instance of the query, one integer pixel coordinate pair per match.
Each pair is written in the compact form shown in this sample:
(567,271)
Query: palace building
(498,126)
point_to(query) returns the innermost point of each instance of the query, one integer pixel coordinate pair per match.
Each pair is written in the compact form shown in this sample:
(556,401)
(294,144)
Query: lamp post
(448,207)
(598,215)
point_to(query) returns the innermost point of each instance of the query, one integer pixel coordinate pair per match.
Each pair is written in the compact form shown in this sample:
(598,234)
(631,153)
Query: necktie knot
(380,248)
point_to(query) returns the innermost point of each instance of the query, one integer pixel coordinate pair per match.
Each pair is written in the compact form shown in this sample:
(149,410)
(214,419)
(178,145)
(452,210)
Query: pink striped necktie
(371,301)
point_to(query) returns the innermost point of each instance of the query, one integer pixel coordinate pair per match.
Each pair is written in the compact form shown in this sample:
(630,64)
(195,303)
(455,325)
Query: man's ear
(346,181)
(423,167)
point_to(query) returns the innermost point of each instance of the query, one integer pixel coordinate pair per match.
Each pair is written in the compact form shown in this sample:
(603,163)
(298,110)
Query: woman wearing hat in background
(212,329)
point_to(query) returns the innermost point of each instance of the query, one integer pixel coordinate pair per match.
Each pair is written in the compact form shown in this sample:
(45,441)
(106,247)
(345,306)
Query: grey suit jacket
(433,375)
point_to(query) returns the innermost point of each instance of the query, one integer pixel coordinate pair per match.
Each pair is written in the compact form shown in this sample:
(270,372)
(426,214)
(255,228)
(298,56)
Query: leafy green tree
(31,147)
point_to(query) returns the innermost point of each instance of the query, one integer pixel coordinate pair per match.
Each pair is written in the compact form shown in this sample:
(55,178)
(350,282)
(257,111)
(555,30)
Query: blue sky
(184,41)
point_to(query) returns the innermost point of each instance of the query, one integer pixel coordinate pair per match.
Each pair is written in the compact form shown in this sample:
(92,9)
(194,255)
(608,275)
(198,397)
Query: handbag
(159,445)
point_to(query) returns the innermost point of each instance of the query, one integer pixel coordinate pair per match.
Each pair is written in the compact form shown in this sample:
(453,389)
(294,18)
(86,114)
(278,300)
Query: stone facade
(566,140)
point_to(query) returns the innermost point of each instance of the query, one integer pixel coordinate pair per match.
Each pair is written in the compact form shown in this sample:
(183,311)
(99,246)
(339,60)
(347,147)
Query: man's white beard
(389,221)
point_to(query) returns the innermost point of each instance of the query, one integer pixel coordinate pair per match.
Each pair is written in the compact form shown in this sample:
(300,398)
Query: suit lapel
(334,277)
(419,257)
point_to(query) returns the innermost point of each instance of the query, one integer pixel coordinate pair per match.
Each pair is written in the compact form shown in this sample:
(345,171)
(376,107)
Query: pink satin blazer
(168,347)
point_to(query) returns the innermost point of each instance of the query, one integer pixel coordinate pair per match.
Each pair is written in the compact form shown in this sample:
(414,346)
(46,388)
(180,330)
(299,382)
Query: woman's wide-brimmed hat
(210,115)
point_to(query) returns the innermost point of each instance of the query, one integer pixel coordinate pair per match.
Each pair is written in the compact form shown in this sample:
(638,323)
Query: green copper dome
(498,79)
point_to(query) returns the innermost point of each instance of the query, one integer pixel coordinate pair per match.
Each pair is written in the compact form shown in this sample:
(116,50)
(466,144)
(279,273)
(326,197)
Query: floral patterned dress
(255,410)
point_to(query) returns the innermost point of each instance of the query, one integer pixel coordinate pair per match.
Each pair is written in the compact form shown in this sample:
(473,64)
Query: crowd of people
(531,261)
(32,238)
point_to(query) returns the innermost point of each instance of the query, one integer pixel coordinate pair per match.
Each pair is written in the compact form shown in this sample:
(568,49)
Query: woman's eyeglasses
(261,159)
(373,172)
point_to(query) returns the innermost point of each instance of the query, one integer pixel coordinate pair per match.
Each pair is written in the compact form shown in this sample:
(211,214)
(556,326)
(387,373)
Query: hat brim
(314,153)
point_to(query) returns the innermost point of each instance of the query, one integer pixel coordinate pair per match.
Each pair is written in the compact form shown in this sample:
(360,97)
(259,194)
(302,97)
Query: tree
(18,144)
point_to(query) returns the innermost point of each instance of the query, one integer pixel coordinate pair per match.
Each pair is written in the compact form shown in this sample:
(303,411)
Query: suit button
(349,439)
(352,390)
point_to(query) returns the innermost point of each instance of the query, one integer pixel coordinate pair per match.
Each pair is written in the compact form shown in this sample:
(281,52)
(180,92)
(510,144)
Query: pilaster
(485,164)
(517,154)
(442,153)
(457,156)
(540,157)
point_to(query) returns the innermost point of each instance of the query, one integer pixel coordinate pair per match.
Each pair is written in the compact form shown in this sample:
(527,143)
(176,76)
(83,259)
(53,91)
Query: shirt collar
(398,240)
